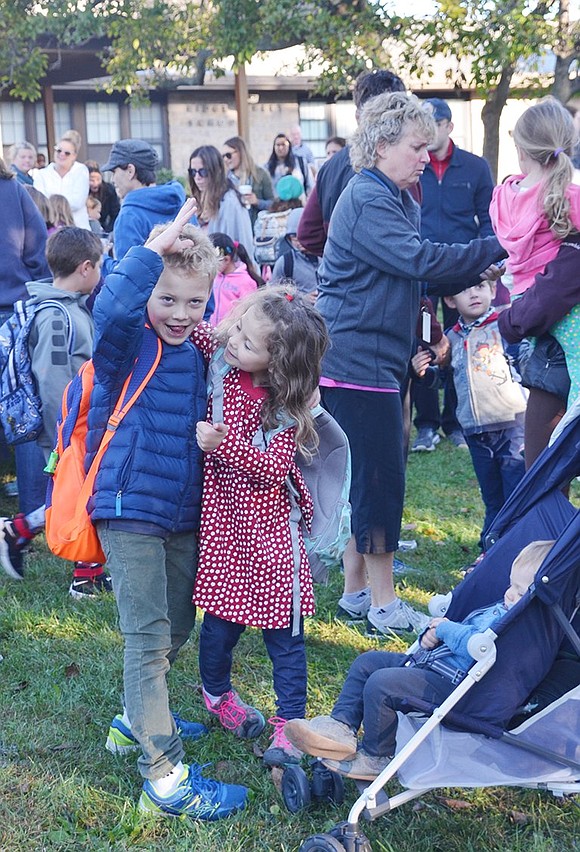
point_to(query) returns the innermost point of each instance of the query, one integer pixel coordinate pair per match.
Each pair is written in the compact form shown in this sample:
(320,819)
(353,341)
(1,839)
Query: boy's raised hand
(169,240)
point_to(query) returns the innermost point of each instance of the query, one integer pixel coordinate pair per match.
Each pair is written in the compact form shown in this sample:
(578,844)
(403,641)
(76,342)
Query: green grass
(60,683)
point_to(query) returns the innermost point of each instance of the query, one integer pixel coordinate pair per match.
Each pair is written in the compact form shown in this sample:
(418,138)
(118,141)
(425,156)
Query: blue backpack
(327,476)
(20,404)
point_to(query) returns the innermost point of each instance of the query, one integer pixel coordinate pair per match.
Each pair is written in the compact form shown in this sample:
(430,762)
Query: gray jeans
(153,584)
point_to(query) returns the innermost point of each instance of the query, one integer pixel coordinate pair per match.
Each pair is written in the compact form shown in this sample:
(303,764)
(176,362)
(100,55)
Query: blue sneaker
(120,739)
(195,797)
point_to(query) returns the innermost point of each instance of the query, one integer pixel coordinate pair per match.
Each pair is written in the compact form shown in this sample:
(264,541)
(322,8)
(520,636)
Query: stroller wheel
(321,843)
(326,786)
(295,788)
(336,794)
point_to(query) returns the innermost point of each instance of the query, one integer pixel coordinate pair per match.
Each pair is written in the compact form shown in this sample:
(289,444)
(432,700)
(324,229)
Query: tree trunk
(562,85)
(490,116)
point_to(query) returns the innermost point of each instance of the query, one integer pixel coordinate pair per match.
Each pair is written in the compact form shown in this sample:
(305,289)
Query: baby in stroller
(379,683)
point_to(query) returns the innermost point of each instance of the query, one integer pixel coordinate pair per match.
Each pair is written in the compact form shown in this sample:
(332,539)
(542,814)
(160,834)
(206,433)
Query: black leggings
(373,422)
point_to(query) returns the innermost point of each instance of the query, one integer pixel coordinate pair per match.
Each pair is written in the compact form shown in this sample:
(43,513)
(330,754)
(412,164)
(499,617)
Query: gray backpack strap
(217,369)
(295,521)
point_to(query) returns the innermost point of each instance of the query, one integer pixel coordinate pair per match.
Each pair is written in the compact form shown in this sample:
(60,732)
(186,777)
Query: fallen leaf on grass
(72,670)
(419,806)
(258,750)
(21,686)
(64,747)
(24,787)
(519,818)
(454,804)
(277,773)
(409,526)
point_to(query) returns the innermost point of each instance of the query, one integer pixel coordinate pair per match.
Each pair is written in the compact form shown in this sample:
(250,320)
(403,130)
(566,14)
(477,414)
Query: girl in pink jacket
(237,275)
(533,212)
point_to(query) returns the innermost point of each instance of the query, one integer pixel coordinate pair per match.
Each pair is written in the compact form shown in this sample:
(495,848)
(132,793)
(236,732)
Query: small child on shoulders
(379,683)
(490,401)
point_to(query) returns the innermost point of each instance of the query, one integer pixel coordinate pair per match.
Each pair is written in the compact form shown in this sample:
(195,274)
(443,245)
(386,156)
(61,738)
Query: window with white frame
(12,118)
(314,126)
(103,123)
(147,123)
(62,122)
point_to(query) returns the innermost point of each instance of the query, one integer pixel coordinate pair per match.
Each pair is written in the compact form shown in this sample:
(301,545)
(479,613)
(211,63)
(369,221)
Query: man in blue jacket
(457,188)
(143,203)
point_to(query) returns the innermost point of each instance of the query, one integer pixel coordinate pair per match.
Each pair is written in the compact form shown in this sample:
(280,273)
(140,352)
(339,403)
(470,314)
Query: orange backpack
(70,532)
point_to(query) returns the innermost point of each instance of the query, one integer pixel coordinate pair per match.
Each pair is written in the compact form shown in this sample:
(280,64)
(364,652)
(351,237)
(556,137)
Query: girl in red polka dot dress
(273,341)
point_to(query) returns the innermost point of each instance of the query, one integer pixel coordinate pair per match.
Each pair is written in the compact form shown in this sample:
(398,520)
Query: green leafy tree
(157,40)
(497,41)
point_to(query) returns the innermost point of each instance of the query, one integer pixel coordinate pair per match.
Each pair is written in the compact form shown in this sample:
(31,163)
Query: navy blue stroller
(486,732)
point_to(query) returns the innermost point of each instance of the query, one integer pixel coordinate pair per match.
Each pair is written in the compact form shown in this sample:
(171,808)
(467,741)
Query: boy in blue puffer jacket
(146,502)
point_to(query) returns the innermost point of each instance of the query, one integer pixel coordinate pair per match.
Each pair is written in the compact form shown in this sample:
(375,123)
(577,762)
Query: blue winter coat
(456,209)
(152,469)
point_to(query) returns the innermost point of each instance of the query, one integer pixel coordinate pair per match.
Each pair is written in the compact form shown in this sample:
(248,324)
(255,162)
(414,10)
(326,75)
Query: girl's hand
(170,240)
(210,435)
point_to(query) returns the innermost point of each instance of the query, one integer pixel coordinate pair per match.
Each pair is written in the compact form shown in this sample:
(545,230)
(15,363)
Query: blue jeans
(217,640)
(32,481)
(153,583)
(498,465)
(374,690)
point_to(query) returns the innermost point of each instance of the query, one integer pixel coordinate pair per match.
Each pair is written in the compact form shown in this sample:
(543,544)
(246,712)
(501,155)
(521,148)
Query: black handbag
(543,366)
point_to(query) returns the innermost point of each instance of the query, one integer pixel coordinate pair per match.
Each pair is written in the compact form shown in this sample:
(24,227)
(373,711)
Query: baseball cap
(140,154)
(441,110)
(289,187)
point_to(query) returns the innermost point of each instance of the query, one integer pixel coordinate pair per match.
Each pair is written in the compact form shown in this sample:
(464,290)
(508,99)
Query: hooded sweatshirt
(523,229)
(228,288)
(141,210)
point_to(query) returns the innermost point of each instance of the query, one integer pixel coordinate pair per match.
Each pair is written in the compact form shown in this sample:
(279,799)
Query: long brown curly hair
(296,344)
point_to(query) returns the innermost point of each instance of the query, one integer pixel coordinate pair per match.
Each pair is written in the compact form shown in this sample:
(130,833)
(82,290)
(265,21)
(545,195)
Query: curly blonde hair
(385,118)
(546,133)
(201,258)
(297,343)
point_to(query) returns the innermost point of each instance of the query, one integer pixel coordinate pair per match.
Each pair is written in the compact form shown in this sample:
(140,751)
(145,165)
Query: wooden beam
(242,102)
(48,104)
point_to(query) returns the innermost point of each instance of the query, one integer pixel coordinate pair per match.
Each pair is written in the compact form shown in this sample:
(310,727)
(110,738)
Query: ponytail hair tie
(558,151)
(289,297)
(236,244)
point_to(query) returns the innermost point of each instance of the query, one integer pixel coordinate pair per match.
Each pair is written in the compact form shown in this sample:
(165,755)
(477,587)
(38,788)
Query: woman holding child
(369,296)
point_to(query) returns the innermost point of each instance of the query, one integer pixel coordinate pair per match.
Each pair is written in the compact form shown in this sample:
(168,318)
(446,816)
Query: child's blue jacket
(151,472)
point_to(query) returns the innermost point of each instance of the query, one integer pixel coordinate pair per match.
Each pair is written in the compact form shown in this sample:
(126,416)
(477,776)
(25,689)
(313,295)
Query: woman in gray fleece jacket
(373,262)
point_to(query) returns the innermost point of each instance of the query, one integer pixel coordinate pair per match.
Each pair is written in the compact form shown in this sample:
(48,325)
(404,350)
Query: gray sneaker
(405,619)
(322,736)
(364,766)
(456,438)
(351,613)
(426,440)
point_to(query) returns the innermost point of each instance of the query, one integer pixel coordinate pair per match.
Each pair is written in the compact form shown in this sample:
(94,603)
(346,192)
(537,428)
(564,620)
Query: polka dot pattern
(246,564)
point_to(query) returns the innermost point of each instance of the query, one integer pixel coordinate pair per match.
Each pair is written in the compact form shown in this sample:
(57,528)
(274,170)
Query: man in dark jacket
(457,188)
(336,172)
